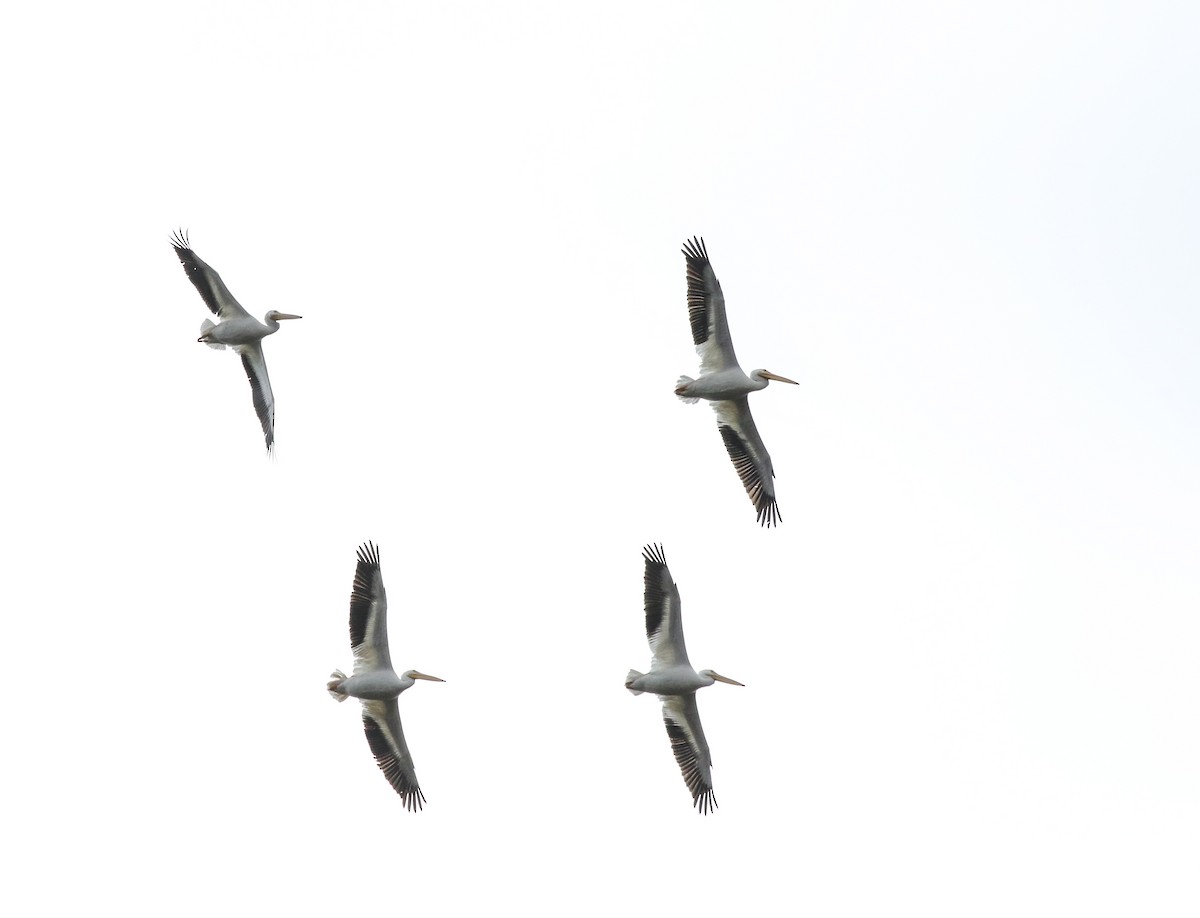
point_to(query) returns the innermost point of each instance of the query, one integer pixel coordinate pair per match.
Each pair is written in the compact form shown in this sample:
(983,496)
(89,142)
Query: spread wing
(682,718)
(749,456)
(255,365)
(381,721)
(664,620)
(212,289)
(368,613)
(706,310)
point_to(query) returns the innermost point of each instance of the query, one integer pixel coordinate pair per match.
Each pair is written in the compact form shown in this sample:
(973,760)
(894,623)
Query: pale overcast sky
(969,231)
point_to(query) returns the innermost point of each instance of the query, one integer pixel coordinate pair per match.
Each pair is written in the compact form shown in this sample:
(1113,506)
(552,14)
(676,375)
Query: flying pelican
(374,682)
(672,678)
(237,328)
(724,384)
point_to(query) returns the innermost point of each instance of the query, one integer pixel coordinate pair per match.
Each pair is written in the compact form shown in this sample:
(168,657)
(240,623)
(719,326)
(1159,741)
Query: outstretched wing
(255,365)
(368,613)
(664,621)
(749,456)
(706,310)
(212,289)
(381,721)
(682,718)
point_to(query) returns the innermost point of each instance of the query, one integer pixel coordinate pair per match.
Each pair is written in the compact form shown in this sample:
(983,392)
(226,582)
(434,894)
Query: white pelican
(672,678)
(724,384)
(374,682)
(237,328)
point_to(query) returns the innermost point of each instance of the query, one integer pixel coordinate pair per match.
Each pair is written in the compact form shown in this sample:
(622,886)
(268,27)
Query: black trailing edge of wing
(655,592)
(385,757)
(703,797)
(266,416)
(748,472)
(365,575)
(697,288)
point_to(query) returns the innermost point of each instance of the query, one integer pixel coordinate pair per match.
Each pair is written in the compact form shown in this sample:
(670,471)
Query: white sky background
(969,650)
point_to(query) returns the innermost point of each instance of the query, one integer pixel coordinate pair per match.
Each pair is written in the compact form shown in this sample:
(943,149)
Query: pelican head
(767,374)
(717,677)
(275,315)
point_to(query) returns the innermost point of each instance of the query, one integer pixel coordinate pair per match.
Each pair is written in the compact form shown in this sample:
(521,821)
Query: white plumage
(672,678)
(237,329)
(374,682)
(723,383)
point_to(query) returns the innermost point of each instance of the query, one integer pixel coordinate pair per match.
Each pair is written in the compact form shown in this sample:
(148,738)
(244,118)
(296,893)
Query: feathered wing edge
(368,612)
(368,576)
(750,458)
(706,310)
(255,365)
(664,626)
(381,723)
(655,596)
(207,282)
(682,719)
(699,268)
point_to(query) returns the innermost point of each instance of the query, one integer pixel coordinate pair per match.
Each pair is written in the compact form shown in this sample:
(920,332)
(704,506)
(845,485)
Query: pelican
(237,329)
(374,682)
(672,678)
(724,384)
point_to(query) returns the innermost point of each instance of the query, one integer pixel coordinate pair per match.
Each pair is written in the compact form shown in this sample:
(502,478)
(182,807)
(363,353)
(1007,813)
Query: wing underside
(749,456)
(706,310)
(207,281)
(664,620)
(682,719)
(381,722)
(255,365)
(368,613)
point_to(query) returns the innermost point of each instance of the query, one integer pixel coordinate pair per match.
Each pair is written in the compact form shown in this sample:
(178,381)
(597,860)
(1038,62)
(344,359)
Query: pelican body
(242,330)
(237,329)
(726,385)
(673,680)
(678,680)
(379,685)
(723,383)
(374,682)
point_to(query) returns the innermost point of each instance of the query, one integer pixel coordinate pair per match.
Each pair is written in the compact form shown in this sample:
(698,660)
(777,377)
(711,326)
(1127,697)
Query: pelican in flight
(724,384)
(672,678)
(374,682)
(237,329)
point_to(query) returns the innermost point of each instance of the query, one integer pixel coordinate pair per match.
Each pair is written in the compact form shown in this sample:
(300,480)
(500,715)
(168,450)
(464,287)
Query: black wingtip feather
(361,594)
(368,553)
(655,597)
(697,288)
(744,465)
(694,249)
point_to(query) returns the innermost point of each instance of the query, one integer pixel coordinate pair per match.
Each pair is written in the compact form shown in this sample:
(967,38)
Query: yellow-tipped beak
(767,375)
